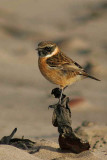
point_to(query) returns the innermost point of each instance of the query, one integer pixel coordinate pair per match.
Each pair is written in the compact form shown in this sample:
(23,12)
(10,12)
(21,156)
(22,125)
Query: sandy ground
(80,29)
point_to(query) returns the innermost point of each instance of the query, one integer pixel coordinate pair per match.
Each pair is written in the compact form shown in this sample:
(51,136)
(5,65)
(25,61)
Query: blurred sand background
(79,27)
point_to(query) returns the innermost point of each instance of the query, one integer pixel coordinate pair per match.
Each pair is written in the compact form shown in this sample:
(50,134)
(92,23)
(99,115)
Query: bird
(58,68)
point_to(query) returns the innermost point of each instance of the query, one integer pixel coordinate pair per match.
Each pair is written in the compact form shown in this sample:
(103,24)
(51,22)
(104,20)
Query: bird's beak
(38,49)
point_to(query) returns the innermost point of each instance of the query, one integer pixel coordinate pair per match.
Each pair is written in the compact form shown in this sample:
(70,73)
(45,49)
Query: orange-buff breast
(51,74)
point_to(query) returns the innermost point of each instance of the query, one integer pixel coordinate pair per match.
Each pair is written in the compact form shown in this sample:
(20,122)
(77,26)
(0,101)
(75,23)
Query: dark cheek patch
(46,51)
(43,53)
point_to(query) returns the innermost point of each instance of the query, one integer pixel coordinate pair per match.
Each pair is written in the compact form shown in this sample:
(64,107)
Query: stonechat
(59,69)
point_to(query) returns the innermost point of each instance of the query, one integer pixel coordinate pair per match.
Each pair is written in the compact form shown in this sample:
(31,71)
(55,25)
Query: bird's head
(46,49)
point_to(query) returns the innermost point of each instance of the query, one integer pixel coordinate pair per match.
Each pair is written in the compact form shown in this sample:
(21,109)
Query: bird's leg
(65,88)
(60,96)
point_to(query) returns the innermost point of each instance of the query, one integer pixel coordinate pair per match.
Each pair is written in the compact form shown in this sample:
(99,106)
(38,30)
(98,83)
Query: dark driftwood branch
(7,139)
(62,119)
(25,144)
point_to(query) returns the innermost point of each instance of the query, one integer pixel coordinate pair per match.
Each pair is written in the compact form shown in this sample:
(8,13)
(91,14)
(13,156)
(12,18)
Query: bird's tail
(93,78)
(89,76)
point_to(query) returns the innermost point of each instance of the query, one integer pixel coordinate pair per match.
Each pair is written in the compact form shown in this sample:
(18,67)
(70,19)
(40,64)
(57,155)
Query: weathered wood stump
(62,119)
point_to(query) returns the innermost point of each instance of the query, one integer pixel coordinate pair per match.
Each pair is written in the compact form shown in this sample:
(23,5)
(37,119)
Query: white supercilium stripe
(53,53)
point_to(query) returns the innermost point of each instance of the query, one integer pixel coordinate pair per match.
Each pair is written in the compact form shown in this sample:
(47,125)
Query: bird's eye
(48,49)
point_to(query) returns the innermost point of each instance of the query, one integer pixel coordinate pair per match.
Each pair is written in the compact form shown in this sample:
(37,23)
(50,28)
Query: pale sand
(49,150)
(12,153)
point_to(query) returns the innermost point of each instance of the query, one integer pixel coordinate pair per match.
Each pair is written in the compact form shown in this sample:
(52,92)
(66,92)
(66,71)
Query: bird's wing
(64,63)
(67,66)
